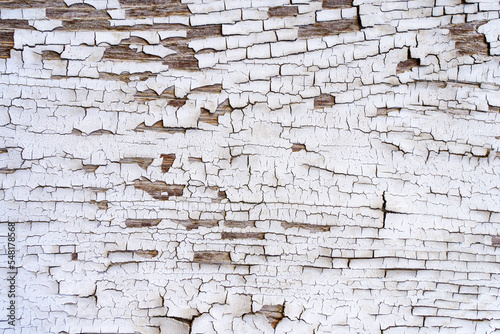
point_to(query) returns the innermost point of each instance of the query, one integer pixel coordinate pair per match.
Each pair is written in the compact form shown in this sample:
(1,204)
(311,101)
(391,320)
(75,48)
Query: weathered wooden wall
(252,166)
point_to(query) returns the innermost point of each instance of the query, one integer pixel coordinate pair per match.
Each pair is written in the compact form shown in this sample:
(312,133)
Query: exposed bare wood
(309,227)
(283,11)
(327,28)
(239,224)
(407,65)
(193,224)
(159,189)
(247,235)
(386,111)
(337,4)
(148,254)
(168,160)
(158,127)
(273,313)
(212,257)
(142,222)
(467,40)
(142,162)
(324,101)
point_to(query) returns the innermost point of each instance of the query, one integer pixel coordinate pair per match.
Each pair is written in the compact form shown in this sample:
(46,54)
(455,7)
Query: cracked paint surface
(187,166)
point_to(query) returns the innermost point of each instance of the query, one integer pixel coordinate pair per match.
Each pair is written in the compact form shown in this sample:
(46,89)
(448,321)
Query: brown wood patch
(142,162)
(177,103)
(273,313)
(158,189)
(324,101)
(386,111)
(121,52)
(168,161)
(213,118)
(90,168)
(320,29)
(7,171)
(327,4)
(467,40)
(298,147)
(157,11)
(407,65)
(10,25)
(153,8)
(50,55)
(98,190)
(6,43)
(127,77)
(13,4)
(79,24)
(283,11)
(202,32)
(101,132)
(142,222)
(150,95)
(207,117)
(184,59)
(76,12)
(239,224)
(216,88)
(158,127)
(248,235)
(221,194)
(212,257)
(309,227)
(101,205)
(194,224)
(148,254)
(224,107)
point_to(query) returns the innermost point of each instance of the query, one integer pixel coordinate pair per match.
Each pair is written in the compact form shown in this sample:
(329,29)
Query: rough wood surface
(307,167)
